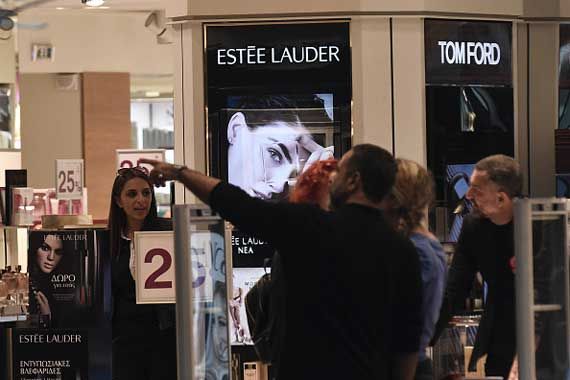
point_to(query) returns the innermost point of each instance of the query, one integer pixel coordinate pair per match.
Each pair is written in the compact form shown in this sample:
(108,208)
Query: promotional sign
(69,179)
(66,278)
(154,265)
(278,100)
(50,354)
(299,53)
(243,280)
(129,158)
(249,251)
(468,52)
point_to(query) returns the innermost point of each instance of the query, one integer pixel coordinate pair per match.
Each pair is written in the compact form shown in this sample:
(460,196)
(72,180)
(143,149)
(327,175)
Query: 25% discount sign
(69,179)
(154,266)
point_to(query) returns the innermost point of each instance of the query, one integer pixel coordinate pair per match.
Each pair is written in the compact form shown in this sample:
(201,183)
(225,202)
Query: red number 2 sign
(151,282)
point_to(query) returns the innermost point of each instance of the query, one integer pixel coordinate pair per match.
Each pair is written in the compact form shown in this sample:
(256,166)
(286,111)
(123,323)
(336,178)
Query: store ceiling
(112,5)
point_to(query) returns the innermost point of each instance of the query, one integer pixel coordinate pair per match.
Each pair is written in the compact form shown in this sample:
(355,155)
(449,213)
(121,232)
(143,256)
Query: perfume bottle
(3,294)
(10,279)
(22,284)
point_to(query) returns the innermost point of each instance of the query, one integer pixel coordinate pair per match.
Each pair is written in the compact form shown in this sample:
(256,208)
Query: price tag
(154,265)
(128,158)
(69,179)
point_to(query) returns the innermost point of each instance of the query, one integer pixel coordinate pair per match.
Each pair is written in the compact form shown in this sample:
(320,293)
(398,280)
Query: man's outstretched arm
(269,221)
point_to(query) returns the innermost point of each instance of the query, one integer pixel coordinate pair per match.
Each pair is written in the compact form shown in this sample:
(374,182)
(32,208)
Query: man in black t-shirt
(353,284)
(486,245)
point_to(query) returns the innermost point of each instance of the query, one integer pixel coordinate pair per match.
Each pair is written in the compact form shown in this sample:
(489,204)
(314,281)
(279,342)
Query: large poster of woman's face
(61,286)
(272,139)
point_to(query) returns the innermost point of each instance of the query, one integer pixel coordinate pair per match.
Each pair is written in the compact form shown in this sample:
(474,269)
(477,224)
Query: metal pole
(524,288)
(183,278)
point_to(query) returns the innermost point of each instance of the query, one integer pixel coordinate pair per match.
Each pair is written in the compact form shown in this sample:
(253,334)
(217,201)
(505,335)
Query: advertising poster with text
(50,354)
(66,278)
(278,101)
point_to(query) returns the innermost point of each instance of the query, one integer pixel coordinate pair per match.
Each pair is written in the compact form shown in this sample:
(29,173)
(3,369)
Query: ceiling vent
(67,82)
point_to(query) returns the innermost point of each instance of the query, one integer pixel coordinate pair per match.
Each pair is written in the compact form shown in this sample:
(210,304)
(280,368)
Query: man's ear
(502,197)
(354,182)
(236,122)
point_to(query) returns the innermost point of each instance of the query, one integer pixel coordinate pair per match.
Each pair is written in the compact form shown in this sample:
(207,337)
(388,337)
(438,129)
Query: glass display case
(543,287)
(202,317)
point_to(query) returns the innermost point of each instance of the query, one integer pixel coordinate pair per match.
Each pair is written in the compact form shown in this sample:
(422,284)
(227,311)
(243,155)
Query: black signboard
(14,178)
(468,52)
(50,354)
(275,83)
(249,251)
(268,54)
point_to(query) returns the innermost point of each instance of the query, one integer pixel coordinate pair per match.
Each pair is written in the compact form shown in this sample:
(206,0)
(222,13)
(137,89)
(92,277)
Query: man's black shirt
(486,248)
(353,285)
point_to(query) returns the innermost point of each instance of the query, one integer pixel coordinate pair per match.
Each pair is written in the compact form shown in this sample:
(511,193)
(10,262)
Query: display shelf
(13,318)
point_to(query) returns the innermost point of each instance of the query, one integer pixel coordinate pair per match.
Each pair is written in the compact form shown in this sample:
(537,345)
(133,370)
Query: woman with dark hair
(46,253)
(407,209)
(144,340)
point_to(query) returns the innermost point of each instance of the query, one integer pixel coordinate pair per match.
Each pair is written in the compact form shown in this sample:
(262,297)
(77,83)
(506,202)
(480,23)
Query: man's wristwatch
(178,170)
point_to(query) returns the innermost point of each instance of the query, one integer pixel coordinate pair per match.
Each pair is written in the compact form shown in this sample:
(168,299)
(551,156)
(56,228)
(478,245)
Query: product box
(22,208)
(254,371)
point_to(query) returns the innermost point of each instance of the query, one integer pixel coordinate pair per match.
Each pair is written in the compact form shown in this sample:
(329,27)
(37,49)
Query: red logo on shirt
(513,263)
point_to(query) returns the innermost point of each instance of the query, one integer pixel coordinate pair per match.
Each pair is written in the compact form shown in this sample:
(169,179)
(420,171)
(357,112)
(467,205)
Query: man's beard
(338,198)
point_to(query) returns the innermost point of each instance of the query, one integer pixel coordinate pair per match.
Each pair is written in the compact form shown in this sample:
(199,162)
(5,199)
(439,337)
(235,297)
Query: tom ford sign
(465,52)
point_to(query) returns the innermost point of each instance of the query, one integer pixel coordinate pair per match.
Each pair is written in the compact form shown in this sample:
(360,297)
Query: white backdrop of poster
(243,281)
(128,158)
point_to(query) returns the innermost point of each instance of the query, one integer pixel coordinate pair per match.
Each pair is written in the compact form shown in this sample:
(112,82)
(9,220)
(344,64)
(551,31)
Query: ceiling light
(93,3)
(60,8)
(152,94)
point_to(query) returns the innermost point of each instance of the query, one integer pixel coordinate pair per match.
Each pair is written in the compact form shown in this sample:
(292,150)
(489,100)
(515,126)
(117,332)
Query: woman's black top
(128,317)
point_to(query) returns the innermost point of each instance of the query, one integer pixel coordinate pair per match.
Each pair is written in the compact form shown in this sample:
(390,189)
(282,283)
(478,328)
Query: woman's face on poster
(262,160)
(49,253)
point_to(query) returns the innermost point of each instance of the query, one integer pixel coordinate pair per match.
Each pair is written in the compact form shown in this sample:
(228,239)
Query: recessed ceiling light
(60,8)
(93,3)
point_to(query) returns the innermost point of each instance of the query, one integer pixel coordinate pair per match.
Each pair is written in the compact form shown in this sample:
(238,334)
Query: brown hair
(412,194)
(503,171)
